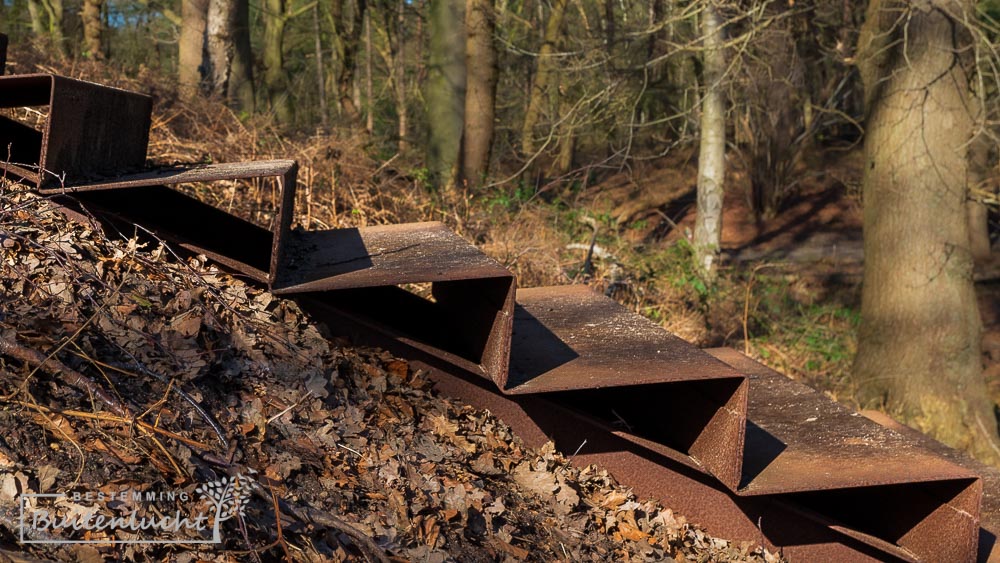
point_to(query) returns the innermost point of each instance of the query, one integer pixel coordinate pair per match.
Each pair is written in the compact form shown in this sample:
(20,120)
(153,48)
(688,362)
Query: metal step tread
(800,440)
(380,255)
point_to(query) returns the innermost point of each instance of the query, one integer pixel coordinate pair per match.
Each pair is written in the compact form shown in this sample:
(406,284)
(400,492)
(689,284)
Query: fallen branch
(68,376)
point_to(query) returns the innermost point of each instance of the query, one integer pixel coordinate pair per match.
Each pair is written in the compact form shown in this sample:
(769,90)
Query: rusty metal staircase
(724,440)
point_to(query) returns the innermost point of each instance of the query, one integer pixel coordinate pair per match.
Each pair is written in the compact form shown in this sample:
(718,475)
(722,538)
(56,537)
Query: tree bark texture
(240,90)
(544,71)
(324,117)
(712,148)
(275,75)
(481,88)
(445,93)
(919,341)
(219,45)
(90,15)
(347,42)
(194,16)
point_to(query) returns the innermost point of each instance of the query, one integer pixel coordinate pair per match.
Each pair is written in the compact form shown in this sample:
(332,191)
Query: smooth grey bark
(712,148)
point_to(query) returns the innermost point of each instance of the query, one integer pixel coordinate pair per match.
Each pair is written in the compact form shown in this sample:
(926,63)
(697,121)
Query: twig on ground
(69,376)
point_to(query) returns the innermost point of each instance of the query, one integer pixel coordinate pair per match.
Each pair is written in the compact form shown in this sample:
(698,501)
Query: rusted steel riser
(90,131)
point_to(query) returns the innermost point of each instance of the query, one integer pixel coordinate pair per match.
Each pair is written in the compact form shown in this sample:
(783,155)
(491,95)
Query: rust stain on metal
(90,131)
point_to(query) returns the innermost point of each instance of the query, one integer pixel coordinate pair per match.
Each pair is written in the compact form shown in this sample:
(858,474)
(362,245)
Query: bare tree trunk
(919,341)
(544,70)
(712,149)
(369,81)
(191,45)
(401,75)
(90,15)
(275,75)
(219,45)
(241,88)
(324,117)
(445,93)
(47,19)
(480,92)
(38,26)
(348,39)
(54,8)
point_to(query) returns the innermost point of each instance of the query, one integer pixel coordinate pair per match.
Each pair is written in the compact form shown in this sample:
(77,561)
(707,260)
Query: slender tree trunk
(481,88)
(241,87)
(369,81)
(401,75)
(275,75)
(90,14)
(219,45)
(38,26)
(919,341)
(445,90)
(544,71)
(194,16)
(712,149)
(324,117)
(54,8)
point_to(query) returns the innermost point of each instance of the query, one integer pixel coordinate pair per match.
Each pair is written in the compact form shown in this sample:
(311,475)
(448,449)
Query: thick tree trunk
(480,93)
(191,45)
(445,93)
(90,15)
(544,70)
(275,75)
(918,347)
(241,88)
(712,149)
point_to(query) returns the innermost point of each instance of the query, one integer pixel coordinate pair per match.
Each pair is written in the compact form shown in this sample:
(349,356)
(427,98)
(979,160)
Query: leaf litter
(353,456)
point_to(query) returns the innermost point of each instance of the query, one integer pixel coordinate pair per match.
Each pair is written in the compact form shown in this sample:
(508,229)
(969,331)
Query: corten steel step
(467,321)
(145,198)
(588,354)
(866,478)
(989,518)
(357,272)
(89,131)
